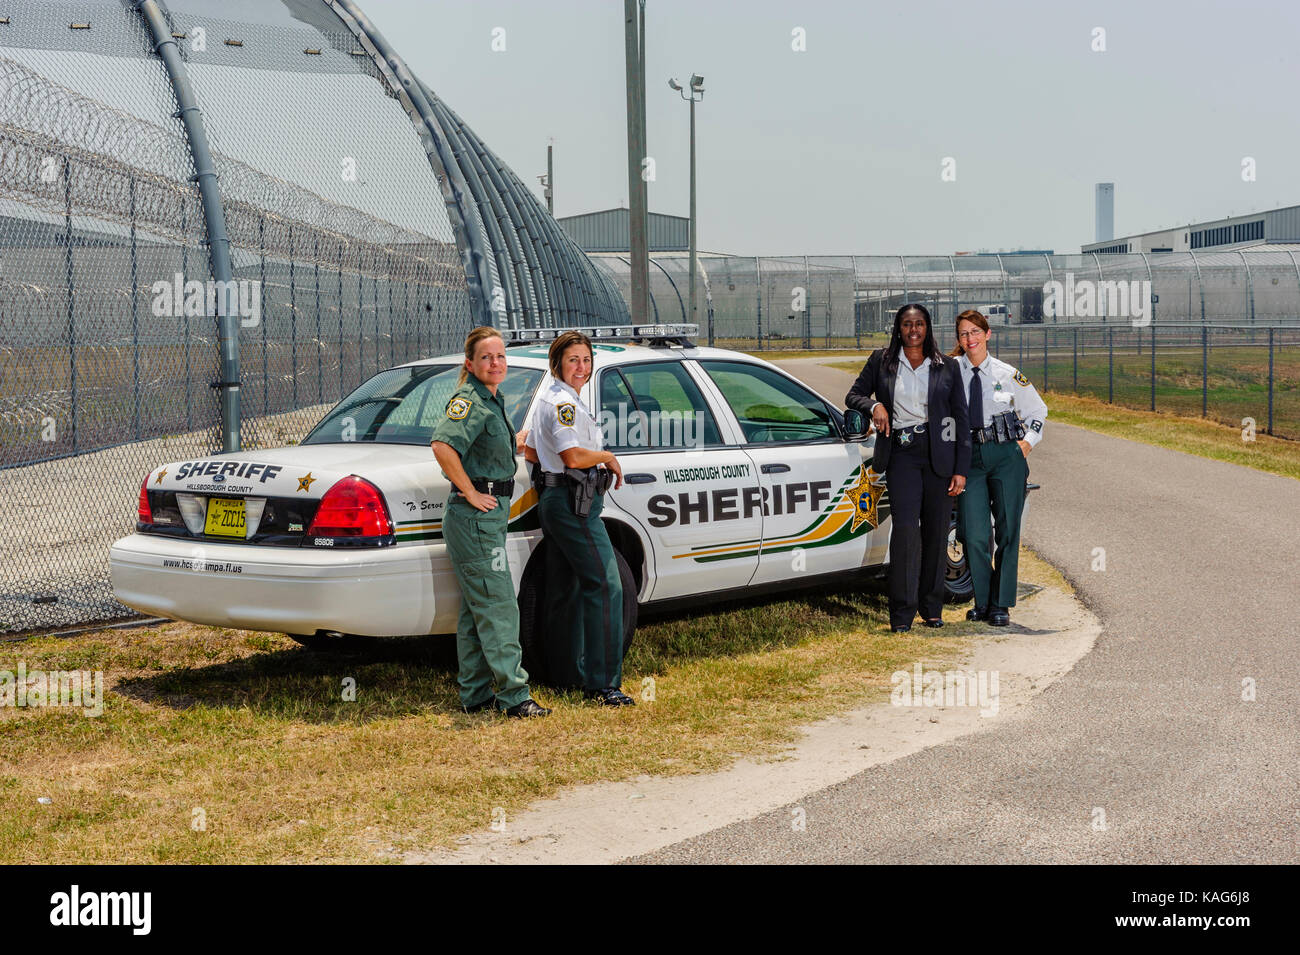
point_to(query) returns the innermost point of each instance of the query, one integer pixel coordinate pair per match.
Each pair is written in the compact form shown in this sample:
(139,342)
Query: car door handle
(639,479)
(774,468)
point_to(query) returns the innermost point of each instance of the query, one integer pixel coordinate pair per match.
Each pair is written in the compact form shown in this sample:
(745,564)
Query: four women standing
(939,420)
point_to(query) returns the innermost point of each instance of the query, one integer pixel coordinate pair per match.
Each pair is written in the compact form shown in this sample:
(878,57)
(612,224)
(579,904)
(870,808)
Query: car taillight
(145,515)
(351,508)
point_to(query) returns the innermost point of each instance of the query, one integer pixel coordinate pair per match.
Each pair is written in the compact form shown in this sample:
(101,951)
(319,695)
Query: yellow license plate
(225,517)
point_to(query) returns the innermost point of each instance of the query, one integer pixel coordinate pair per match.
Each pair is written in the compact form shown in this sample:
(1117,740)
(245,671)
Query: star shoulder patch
(565,414)
(458,408)
(1019,378)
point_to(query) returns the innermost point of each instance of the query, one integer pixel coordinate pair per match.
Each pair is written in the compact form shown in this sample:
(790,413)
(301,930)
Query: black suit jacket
(946,400)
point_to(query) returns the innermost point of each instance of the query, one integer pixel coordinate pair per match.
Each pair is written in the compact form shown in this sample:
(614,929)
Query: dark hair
(928,347)
(563,343)
(976,318)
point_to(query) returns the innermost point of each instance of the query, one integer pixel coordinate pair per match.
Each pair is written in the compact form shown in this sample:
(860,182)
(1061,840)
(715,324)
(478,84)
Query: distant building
(1236,232)
(607,231)
(1105,217)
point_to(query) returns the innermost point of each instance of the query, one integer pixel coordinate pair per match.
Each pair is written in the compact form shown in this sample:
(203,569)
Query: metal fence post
(1270,379)
(135,317)
(266,370)
(1153,366)
(1205,370)
(1044,358)
(293,319)
(205,175)
(72,300)
(1076,358)
(1110,365)
(758,285)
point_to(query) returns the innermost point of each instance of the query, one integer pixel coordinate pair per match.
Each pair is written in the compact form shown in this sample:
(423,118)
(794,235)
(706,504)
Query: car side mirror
(855,423)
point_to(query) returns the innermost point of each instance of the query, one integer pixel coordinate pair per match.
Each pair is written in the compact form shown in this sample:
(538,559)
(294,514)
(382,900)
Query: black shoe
(933,624)
(906,628)
(489,704)
(611,696)
(999,617)
(527,708)
(977,613)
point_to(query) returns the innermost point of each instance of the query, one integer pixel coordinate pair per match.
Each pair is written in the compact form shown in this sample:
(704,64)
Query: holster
(582,489)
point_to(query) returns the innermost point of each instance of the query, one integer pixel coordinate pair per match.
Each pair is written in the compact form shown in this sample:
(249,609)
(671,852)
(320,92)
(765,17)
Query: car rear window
(404,405)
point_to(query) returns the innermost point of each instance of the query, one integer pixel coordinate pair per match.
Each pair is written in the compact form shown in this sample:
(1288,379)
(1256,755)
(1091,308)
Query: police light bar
(680,332)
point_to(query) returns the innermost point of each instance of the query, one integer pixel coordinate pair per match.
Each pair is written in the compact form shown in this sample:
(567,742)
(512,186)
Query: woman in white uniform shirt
(1007,417)
(584,595)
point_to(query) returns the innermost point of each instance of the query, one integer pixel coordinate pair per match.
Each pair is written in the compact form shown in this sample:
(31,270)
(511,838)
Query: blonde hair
(970,315)
(563,343)
(472,340)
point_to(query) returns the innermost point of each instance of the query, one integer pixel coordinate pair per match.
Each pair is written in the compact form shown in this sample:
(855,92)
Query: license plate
(225,517)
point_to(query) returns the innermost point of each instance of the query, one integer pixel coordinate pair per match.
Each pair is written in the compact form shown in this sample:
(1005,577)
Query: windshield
(403,405)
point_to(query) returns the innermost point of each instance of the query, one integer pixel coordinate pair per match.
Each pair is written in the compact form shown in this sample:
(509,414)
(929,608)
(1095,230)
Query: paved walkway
(1146,751)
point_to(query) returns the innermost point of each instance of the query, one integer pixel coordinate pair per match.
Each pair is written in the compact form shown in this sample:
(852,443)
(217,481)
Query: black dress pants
(920,508)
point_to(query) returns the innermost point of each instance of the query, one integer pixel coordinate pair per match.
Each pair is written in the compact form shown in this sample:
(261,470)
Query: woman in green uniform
(475,446)
(1006,419)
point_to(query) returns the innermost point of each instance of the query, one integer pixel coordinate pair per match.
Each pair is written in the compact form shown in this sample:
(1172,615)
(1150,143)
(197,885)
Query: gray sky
(838,149)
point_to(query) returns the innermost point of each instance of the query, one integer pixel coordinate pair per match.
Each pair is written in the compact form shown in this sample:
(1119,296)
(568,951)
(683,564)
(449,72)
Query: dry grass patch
(232,746)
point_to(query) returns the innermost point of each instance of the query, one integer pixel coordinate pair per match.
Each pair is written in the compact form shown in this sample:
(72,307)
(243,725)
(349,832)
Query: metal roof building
(1272,227)
(608,231)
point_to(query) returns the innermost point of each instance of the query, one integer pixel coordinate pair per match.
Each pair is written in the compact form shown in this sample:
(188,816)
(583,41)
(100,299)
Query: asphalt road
(1146,752)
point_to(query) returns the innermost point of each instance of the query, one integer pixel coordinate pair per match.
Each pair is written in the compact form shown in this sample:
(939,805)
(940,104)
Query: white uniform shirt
(561,422)
(1006,389)
(911,393)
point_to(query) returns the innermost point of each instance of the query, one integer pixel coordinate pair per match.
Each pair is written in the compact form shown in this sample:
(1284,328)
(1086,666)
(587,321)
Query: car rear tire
(958,586)
(532,615)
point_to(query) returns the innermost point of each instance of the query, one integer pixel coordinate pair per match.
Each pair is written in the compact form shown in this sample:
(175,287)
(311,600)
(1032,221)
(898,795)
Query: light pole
(696,86)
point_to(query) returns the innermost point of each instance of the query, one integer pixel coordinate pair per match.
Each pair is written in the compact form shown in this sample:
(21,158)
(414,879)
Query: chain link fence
(340,239)
(1209,334)
(758,302)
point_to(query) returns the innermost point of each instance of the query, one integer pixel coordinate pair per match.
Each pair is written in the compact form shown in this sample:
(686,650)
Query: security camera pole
(697,86)
(634,35)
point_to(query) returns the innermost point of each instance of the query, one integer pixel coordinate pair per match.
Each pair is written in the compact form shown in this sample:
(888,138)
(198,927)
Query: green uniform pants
(584,595)
(995,487)
(487,633)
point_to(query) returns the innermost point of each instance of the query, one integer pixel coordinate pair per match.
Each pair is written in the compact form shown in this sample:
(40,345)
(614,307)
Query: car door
(819,495)
(696,496)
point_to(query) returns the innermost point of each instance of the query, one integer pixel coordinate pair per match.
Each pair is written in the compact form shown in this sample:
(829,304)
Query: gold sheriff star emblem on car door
(864,495)
(304,482)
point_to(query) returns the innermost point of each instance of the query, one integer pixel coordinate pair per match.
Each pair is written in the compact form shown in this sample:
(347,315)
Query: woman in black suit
(913,395)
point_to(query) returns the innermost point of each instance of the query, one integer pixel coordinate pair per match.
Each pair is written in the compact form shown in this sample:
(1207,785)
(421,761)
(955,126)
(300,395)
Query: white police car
(738,480)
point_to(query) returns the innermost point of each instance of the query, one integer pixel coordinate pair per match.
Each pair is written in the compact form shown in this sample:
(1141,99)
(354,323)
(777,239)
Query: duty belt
(498,488)
(554,480)
(1005,427)
(904,436)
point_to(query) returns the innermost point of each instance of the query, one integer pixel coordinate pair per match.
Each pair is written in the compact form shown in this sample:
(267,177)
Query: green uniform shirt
(476,425)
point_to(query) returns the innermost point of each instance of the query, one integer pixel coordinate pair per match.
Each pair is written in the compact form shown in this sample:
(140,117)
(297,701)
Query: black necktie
(976,399)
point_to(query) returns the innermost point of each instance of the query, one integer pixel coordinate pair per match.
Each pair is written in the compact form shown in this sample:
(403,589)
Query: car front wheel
(958,587)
